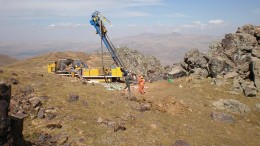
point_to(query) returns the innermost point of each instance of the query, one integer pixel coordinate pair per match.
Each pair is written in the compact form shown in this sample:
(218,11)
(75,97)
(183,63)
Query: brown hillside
(164,115)
(5,60)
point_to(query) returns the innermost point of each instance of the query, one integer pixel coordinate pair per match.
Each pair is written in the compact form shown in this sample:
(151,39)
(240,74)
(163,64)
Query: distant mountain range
(169,48)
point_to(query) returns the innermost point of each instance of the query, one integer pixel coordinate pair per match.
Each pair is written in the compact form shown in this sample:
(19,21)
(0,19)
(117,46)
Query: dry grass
(177,112)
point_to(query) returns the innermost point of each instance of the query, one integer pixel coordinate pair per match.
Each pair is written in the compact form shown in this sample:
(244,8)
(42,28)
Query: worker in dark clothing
(127,82)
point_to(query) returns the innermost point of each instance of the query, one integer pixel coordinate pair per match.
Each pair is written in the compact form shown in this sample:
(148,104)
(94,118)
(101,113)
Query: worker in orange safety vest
(141,82)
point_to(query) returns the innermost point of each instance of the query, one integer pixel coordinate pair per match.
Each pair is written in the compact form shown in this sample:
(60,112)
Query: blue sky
(68,20)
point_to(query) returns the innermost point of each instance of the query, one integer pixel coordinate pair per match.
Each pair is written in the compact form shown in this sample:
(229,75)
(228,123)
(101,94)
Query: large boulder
(218,66)
(201,72)
(177,72)
(232,106)
(196,59)
(191,56)
(249,88)
(195,63)
(138,63)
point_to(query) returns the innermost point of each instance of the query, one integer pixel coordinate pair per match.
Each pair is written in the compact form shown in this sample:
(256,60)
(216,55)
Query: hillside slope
(39,63)
(164,115)
(4,60)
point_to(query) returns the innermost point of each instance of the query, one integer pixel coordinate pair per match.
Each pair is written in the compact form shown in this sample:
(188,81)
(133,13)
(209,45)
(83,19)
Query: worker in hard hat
(127,82)
(141,82)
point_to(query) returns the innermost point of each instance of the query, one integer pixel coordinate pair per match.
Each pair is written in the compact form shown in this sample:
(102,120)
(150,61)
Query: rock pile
(26,104)
(149,66)
(237,56)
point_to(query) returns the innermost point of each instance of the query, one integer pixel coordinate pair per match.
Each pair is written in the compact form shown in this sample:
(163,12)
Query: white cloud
(51,25)
(177,15)
(195,24)
(211,24)
(67,24)
(217,21)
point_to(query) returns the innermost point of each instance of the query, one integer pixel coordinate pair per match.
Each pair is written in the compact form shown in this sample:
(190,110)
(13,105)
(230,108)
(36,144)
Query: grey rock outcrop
(216,116)
(237,57)
(232,106)
(178,71)
(196,63)
(249,88)
(240,51)
(138,63)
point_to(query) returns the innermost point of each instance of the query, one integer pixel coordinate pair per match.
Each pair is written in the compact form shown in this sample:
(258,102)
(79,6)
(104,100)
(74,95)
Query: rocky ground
(64,111)
(235,57)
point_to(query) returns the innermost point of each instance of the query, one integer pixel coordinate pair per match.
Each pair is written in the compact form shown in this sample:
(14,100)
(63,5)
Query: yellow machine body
(51,67)
(94,73)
